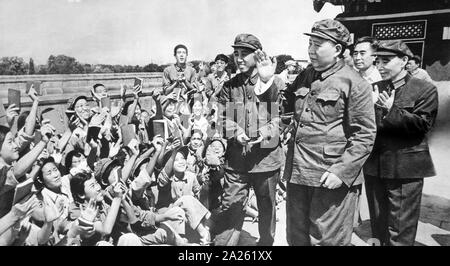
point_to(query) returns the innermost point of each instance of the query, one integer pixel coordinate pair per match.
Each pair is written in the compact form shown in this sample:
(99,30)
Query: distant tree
(31,69)
(87,68)
(12,66)
(103,69)
(118,69)
(63,64)
(41,69)
(281,60)
(150,68)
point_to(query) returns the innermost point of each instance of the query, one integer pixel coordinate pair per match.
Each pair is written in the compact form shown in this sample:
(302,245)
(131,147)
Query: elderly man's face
(322,52)
(244,59)
(390,66)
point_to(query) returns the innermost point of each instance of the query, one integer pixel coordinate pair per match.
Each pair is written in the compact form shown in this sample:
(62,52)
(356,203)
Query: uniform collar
(250,79)
(402,81)
(333,69)
(54,196)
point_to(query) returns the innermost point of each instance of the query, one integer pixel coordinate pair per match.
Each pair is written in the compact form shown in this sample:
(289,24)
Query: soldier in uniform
(335,129)
(248,114)
(405,112)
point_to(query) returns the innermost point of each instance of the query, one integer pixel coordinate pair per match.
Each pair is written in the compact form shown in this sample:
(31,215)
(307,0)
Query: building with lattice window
(423,25)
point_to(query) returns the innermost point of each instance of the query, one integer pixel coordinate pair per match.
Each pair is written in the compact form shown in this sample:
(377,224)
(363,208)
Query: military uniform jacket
(401,147)
(242,111)
(334,123)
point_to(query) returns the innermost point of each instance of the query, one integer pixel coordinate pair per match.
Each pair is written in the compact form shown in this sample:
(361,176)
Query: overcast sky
(143,31)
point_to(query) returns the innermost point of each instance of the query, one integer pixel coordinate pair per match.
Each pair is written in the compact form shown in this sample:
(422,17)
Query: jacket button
(307,109)
(302,125)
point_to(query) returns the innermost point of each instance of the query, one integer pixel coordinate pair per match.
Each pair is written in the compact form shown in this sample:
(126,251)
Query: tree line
(63,64)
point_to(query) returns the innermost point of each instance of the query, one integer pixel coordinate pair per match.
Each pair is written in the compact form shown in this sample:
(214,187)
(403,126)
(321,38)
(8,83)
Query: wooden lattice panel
(403,30)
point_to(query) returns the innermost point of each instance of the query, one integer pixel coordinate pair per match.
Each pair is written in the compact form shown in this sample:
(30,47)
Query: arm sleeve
(361,129)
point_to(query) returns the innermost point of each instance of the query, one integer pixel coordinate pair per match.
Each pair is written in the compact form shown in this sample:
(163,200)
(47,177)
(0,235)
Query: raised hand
(386,101)
(134,146)
(90,212)
(25,207)
(158,142)
(97,120)
(47,132)
(32,93)
(137,90)
(243,139)
(265,65)
(119,190)
(57,156)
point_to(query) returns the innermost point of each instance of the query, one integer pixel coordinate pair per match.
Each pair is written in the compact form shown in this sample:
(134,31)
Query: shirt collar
(180,68)
(401,82)
(333,69)
(368,72)
(54,196)
(184,179)
(221,77)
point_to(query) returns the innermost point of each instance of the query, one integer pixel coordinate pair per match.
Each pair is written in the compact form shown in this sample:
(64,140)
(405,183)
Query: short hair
(44,162)
(98,85)
(222,57)
(77,185)
(3,132)
(178,47)
(196,130)
(416,59)
(371,40)
(73,153)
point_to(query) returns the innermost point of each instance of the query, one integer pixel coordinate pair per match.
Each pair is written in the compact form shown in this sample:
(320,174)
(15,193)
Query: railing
(57,89)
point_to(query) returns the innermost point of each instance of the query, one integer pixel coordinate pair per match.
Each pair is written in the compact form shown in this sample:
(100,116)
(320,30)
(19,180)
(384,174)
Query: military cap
(247,41)
(74,100)
(394,48)
(101,167)
(222,57)
(332,30)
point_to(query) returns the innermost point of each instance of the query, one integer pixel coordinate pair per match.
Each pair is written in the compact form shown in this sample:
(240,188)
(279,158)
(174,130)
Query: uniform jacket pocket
(334,149)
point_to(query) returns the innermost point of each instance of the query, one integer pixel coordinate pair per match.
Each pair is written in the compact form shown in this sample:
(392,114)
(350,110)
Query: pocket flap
(329,95)
(335,149)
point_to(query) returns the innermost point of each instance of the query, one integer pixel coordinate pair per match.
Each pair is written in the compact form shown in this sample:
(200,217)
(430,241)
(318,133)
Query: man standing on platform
(335,129)
(249,115)
(179,75)
(405,112)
